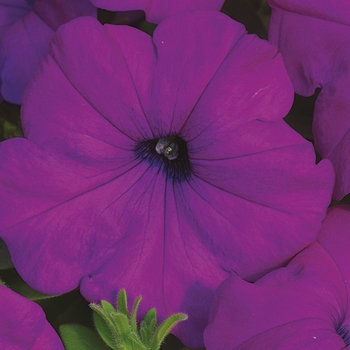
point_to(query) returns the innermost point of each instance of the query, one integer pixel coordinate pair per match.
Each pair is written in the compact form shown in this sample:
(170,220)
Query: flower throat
(169,153)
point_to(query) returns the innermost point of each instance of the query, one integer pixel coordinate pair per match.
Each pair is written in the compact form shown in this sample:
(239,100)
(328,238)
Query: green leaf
(122,326)
(122,303)
(148,327)
(134,314)
(125,338)
(104,326)
(77,337)
(165,328)
(107,307)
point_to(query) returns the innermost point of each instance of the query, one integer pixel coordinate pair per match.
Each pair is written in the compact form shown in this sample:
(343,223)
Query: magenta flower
(158,165)
(26,28)
(158,10)
(23,324)
(313,37)
(301,306)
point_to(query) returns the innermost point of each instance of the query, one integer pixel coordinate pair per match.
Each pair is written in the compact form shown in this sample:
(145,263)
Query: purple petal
(57,12)
(74,126)
(158,10)
(334,12)
(104,81)
(253,85)
(66,208)
(314,42)
(331,129)
(167,258)
(11,11)
(312,47)
(334,237)
(296,307)
(77,193)
(182,75)
(23,324)
(25,43)
(29,38)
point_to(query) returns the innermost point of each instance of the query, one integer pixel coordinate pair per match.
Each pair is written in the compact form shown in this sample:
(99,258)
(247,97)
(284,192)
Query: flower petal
(335,237)
(250,84)
(309,292)
(104,79)
(60,216)
(29,38)
(11,11)
(306,334)
(23,324)
(164,260)
(158,10)
(313,8)
(57,12)
(311,45)
(331,129)
(56,115)
(248,158)
(186,64)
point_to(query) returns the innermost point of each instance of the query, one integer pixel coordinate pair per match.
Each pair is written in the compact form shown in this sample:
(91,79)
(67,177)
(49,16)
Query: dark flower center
(344,332)
(168,153)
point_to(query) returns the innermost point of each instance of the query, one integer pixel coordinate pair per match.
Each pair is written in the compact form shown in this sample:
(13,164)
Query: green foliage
(120,331)
(77,337)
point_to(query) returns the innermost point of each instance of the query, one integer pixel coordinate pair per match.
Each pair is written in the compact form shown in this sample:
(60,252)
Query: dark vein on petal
(211,205)
(89,103)
(72,198)
(212,78)
(147,224)
(248,154)
(244,198)
(203,130)
(136,93)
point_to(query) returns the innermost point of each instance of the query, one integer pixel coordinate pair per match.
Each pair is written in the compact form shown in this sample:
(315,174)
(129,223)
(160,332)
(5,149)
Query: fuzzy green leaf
(165,328)
(122,303)
(104,326)
(133,321)
(148,327)
(77,337)
(107,307)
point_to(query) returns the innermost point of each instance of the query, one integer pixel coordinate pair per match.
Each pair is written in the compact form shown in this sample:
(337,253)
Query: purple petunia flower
(158,10)
(23,324)
(26,28)
(313,37)
(158,165)
(302,306)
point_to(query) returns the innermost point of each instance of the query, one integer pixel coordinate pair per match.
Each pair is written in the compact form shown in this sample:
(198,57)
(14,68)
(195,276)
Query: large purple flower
(157,10)
(23,324)
(26,28)
(302,306)
(158,166)
(313,37)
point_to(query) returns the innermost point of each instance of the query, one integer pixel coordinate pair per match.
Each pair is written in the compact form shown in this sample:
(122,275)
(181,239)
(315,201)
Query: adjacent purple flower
(313,37)
(158,10)
(158,165)
(302,306)
(23,324)
(26,28)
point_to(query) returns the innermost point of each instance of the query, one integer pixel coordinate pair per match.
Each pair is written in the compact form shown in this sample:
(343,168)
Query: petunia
(26,28)
(304,305)
(158,165)
(23,324)
(158,10)
(313,37)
